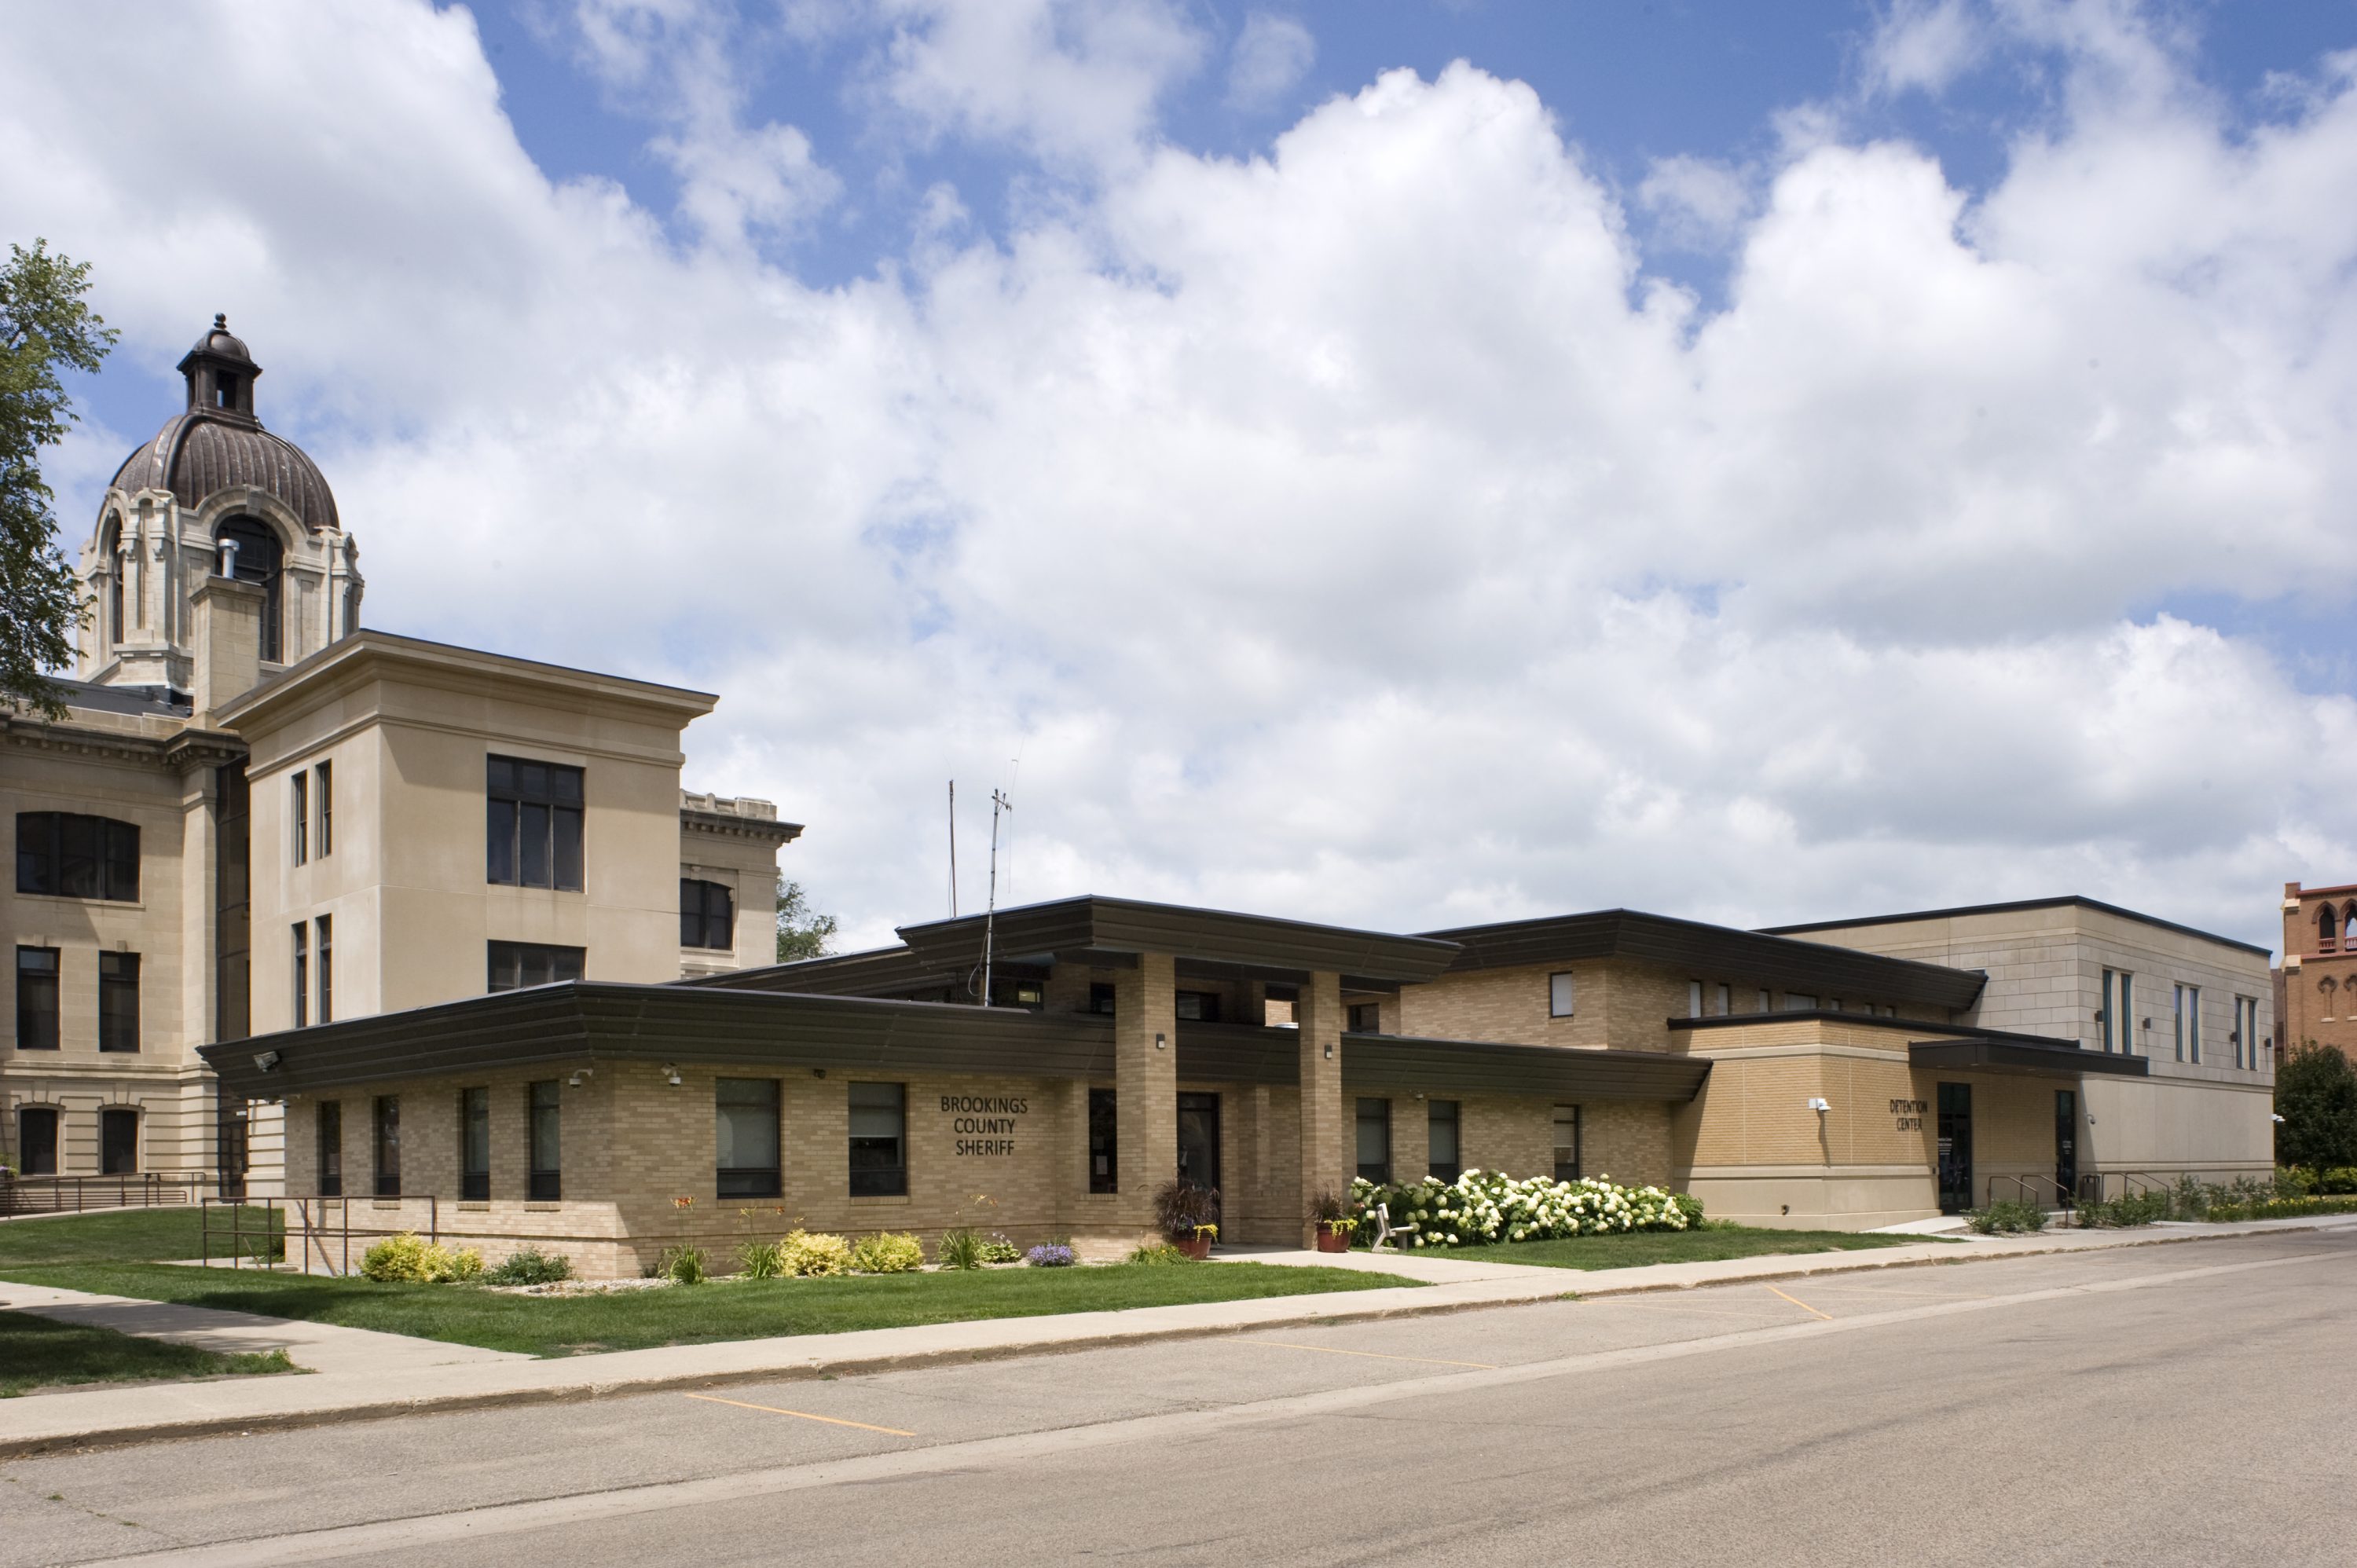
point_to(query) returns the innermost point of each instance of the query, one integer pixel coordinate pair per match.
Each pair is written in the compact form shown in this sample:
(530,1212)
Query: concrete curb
(50,1428)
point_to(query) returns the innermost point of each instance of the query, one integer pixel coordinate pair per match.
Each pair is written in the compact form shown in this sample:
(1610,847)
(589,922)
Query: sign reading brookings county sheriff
(1909,1113)
(985,1125)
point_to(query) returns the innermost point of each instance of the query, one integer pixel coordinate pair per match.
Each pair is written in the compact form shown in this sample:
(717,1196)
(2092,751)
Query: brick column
(1146,1080)
(1319,1015)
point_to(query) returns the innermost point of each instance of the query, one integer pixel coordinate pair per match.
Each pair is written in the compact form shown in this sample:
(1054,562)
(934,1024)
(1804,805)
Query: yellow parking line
(803,1414)
(1375,1354)
(1796,1301)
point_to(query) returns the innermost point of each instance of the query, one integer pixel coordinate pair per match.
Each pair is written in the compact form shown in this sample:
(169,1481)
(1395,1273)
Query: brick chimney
(228,644)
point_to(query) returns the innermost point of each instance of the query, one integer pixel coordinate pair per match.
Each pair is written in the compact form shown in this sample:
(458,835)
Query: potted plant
(1334,1221)
(1188,1216)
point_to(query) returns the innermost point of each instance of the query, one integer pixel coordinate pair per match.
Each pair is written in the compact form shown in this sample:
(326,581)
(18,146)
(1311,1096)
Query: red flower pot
(1333,1240)
(1196,1247)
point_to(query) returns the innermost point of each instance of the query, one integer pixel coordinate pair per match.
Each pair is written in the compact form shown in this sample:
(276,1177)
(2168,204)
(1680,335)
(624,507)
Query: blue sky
(1759,463)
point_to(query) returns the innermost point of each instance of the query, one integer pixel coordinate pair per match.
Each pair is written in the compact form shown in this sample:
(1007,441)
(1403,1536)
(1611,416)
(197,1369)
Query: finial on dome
(221,320)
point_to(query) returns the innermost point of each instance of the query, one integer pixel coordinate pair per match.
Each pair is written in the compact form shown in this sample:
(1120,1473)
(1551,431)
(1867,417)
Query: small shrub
(2007,1216)
(1049,1257)
(887,1253)
(529,1266)
(811,1254)
(1158,1253)
(961,1248)
(409,1259)
(2338,1181)
(2295,1181)
(761,1259)
(2119,1213)
(1690,1205)
(997,1248)
(682,1265)
(1182,1208)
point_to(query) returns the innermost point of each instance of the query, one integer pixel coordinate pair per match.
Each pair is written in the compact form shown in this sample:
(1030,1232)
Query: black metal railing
(82,1194)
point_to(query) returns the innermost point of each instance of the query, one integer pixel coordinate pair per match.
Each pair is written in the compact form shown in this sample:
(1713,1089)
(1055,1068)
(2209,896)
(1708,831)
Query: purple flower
(1051,1257)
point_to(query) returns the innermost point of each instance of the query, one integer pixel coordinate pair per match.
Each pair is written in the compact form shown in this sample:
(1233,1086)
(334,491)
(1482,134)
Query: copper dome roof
(217,444)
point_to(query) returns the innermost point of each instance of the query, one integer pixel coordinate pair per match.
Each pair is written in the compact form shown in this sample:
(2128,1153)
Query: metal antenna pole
(952,849)
(999,802)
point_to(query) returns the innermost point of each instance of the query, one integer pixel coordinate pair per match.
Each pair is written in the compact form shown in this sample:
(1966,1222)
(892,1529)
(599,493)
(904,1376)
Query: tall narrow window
(37,999)
(2104,1015)
(745,1137)
(259,559)
(325,789)
(118,1002)
(1693,998)
(2127,1014)
(533,824)
(331,1148)
(547,1176)
(326,929)
(1566,1142)
(233,920)
(707,915)
(1562,995)
(2189,1014)
(36,1139)
(302,975)
(1374,1139)
(118,1141)
(1104,1126)
(1444,1158)
(879,1142)
(298,817)
(475,1144)
(1763,1001)
(1725,999)
(388,1145)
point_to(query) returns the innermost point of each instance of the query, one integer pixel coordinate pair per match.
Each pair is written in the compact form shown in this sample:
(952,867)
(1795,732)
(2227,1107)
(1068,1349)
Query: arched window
(259,559)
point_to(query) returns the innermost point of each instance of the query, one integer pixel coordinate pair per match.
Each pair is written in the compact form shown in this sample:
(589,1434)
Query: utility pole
(999,802)
(952,849)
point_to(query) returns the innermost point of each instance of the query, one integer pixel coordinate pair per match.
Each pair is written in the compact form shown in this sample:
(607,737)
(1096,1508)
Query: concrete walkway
(315,1347)
(468,1379)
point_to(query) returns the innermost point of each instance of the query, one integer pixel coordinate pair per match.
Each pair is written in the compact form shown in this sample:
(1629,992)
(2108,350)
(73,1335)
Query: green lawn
(126,1235)
(36,1353)
(689,1314)
(1713,1243)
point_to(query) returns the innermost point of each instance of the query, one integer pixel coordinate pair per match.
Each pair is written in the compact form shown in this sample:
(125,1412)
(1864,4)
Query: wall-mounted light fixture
(267,1061)
(670,1074)
(1330,1051)
(2271,1116)
(818,1072)
(1820,1104)
(1161,1042)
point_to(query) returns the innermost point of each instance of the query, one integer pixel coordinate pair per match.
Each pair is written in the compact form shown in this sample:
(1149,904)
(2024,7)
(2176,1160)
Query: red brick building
(2315,989)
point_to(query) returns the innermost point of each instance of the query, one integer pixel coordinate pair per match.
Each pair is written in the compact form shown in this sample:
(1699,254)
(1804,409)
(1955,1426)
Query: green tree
(44,326)
(2316,1095)
(802,932)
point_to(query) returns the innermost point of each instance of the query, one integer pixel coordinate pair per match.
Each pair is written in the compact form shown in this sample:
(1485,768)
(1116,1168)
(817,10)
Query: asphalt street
(2179,1404)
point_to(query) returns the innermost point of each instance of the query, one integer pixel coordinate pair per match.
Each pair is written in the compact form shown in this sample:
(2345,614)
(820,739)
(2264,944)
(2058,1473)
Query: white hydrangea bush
(1482,1208)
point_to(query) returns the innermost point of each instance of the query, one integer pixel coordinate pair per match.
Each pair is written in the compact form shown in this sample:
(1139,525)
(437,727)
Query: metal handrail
(128,1189)
(238,1232)
(2027,1187)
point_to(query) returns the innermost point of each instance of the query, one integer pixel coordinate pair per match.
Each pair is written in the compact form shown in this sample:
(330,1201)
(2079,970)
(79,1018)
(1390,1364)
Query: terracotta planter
(1196,1247)
(1333,1240)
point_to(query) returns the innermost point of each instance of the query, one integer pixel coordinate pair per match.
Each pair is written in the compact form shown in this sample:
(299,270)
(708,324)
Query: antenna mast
(999,802)
(952,849)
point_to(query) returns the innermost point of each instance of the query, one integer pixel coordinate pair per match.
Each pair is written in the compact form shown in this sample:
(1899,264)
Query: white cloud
(1271,55)
(1351,531)
(1924,45)
(1698,204)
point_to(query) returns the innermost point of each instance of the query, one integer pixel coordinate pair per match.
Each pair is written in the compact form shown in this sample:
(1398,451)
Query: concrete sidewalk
(105,1417)
(315,1346)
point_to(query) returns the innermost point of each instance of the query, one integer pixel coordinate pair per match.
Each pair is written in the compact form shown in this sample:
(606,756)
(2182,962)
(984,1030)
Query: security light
(1330,1053)
(2273,1117)
(670,1074)
(580,1075)
(1161,1042)
(1820,1104)
(267,1061)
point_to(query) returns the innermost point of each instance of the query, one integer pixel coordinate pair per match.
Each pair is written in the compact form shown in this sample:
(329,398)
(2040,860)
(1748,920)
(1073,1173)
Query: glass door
(2066,1141)
(1956,1147)
(1199,1141)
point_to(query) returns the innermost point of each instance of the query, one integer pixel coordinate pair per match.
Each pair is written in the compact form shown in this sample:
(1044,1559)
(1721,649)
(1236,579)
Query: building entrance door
(1198,1141)
(2066,1141)
(1956,1147)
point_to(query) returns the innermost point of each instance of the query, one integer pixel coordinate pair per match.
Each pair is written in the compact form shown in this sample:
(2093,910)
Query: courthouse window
(1374,1139)
(547,1149)
(745,1134)
(302,974)
(475,1143)
(118,1141)
(1726,1000)
(65,855)
(532,832)
(516,965)
(1566,1142)
(331,1148)
(880,1158)
(1693,998)
(299,815)
(707,915)
(326,793)
(1104,1124)
(1561,994)
(1443,1160)
(118,1002)
(37,999)
(388,1145)
(326,927)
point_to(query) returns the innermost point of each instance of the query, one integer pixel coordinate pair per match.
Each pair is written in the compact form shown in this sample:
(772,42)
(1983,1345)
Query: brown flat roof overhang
(1257,943)
(2045,1059)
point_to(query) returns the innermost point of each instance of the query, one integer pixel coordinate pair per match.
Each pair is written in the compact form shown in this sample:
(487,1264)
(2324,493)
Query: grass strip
(692,1315)
(125,1235)
(37,1353)
(1711,1244)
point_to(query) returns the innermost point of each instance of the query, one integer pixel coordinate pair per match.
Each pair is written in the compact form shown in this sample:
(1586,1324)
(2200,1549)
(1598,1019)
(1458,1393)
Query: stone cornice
(725,824)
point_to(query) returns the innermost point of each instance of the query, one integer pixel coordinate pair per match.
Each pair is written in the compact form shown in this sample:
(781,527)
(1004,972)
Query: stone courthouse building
(425,937)
(258,816)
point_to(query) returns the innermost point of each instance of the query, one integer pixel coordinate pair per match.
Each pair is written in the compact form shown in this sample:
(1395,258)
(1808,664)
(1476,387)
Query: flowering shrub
(408,1259)
(531,1266)
(1483,1206)
(805,1252)
(886,1252)
(1052,1256)
(997,1248)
